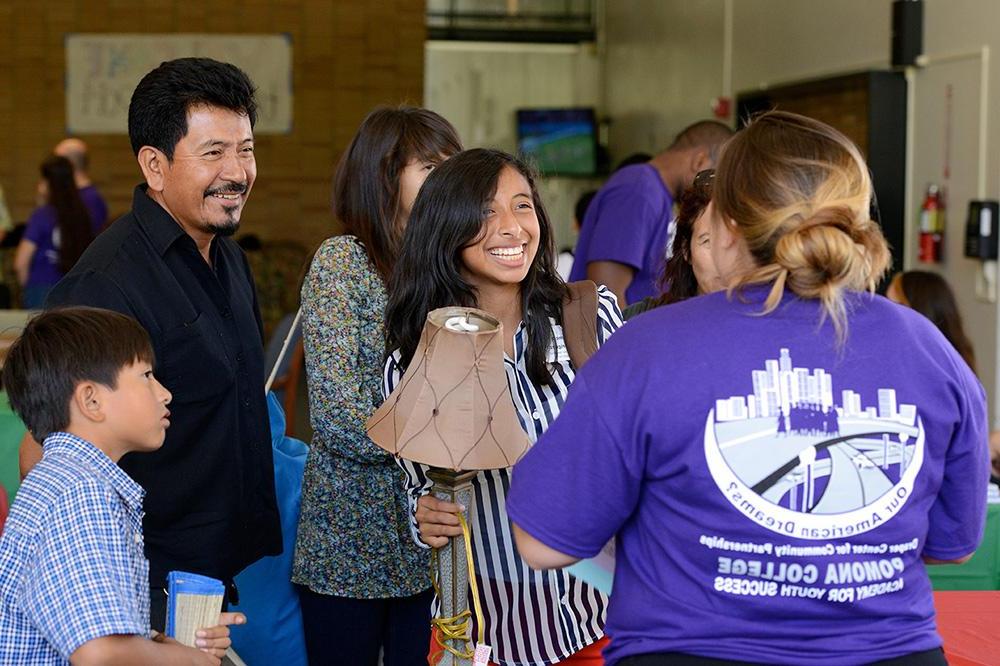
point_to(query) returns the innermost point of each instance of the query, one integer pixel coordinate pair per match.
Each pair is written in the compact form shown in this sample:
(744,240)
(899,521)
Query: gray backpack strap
(579,321)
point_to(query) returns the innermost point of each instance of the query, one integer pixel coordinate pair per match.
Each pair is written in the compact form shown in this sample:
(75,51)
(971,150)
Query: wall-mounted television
(562,142)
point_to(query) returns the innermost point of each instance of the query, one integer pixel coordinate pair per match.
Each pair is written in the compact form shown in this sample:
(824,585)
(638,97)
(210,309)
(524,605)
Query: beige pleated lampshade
(452,409)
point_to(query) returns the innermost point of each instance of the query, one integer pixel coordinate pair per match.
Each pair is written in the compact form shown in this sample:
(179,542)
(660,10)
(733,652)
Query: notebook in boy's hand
(194,602)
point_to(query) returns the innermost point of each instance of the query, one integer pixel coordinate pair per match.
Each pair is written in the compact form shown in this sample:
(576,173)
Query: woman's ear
(154,165)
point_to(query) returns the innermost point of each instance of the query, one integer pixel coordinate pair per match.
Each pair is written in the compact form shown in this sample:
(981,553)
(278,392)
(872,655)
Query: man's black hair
(582,204)
(61,348)
(157,114)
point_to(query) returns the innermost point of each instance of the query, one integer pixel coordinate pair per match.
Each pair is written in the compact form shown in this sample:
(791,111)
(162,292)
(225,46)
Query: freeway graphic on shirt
(793,460)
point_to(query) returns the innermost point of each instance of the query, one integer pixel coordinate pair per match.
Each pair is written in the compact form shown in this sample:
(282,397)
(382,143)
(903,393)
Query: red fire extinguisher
(932,226)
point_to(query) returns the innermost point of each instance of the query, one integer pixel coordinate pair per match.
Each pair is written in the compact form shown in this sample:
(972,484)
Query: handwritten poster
(102,70)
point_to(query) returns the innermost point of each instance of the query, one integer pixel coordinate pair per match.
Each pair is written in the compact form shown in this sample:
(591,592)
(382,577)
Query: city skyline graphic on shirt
(791,444)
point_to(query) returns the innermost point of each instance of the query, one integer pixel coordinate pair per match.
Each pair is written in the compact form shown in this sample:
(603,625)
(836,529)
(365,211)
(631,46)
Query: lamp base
(453,569)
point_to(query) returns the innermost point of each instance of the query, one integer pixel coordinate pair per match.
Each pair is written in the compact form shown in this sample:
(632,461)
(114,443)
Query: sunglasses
(703,181)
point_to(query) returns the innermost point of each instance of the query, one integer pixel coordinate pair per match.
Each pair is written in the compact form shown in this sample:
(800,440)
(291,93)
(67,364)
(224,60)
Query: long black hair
(930,295)
(366,184)
(73,219)
(448,217)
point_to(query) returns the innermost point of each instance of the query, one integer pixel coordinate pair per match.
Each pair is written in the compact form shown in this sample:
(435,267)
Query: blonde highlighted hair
(800,192)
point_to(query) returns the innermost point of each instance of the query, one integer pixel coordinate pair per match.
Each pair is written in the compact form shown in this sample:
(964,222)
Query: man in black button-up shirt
(210,503)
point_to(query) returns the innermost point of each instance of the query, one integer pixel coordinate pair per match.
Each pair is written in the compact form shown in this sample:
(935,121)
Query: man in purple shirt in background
(623,239)
(75,151)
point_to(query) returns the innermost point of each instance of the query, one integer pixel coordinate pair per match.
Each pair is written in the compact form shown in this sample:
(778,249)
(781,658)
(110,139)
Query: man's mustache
(231,188)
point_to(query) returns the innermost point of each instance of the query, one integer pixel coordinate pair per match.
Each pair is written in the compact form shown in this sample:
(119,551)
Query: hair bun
(836,217)
(832,249)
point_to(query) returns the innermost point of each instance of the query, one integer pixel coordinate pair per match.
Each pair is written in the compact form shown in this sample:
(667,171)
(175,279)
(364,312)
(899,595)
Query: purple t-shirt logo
(792,460)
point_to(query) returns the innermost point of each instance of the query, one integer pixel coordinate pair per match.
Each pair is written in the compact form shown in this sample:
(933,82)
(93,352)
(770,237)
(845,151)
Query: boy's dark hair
(582,204)
(60,348)
(157,114)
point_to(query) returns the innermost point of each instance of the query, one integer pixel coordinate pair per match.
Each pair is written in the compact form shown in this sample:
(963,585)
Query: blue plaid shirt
(71,556)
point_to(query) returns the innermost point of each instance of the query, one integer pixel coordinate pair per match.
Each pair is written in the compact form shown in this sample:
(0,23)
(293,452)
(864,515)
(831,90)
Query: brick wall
(347,55)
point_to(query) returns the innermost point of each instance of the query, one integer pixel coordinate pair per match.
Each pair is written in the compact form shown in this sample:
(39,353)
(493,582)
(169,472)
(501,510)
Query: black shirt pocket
(192,361)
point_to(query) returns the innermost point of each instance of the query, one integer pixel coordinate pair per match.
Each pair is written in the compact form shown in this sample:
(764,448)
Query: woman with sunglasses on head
(689,271)
(364,586)
(479,237)
(777,463)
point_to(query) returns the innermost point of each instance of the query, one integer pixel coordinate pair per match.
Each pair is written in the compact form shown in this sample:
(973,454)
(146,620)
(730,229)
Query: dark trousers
(927,658)
(350,632)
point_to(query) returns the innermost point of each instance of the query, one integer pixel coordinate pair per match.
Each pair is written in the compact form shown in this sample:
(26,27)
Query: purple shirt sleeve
(40,225)
(958,516)
(96,206)
(624,225)
(574,488)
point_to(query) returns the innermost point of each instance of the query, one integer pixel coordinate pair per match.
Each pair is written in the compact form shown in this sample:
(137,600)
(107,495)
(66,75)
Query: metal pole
(453,569)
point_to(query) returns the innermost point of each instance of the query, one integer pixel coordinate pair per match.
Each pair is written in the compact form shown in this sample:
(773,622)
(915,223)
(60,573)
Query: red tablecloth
(969,623)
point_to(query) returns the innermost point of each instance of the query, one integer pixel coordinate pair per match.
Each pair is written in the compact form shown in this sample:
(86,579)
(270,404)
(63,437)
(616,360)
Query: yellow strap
(457,628)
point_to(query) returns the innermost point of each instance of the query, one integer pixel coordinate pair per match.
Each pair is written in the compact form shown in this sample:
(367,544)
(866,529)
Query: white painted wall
(479,86)
(785,40)
(664,66)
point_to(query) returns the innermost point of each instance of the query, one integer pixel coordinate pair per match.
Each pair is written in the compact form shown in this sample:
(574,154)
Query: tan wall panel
(347,55)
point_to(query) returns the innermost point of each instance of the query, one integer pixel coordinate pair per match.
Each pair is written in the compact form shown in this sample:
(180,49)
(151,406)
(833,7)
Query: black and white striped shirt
(532,617)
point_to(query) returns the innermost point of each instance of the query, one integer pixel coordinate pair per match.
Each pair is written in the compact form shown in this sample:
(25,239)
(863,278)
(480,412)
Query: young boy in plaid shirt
(74,587)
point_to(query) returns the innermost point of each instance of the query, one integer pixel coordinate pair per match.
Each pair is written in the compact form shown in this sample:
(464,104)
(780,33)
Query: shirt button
(226,313)
(239,357)
(246,402)
(138,538)
(535,415)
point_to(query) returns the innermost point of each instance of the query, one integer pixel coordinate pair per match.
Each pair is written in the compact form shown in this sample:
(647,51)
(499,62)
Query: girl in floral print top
(362,581)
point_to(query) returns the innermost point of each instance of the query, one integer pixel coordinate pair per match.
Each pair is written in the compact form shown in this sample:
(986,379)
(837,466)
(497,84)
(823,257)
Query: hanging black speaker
(907,32)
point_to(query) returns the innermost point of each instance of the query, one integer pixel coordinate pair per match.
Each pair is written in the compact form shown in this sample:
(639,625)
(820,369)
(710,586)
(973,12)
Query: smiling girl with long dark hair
(479,236)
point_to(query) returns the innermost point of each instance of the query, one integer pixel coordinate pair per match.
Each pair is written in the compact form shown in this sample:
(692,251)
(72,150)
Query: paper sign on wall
(102,70)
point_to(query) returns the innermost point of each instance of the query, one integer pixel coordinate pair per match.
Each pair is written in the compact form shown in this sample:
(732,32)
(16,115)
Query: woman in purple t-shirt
(777,464)
(56,235)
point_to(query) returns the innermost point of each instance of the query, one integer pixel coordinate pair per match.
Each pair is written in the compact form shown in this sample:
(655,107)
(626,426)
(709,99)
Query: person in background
(56,235)
(624,238)
(479,237)
(840,440)
(929,294)
(995,456)
(363,584)
(75,150)
(564,260)
(690,270)
(6,221)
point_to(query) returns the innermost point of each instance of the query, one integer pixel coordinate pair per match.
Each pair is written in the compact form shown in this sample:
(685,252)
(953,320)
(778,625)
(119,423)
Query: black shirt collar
(162,229)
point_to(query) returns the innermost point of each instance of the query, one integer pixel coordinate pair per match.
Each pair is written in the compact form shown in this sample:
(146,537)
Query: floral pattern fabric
(354,536)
